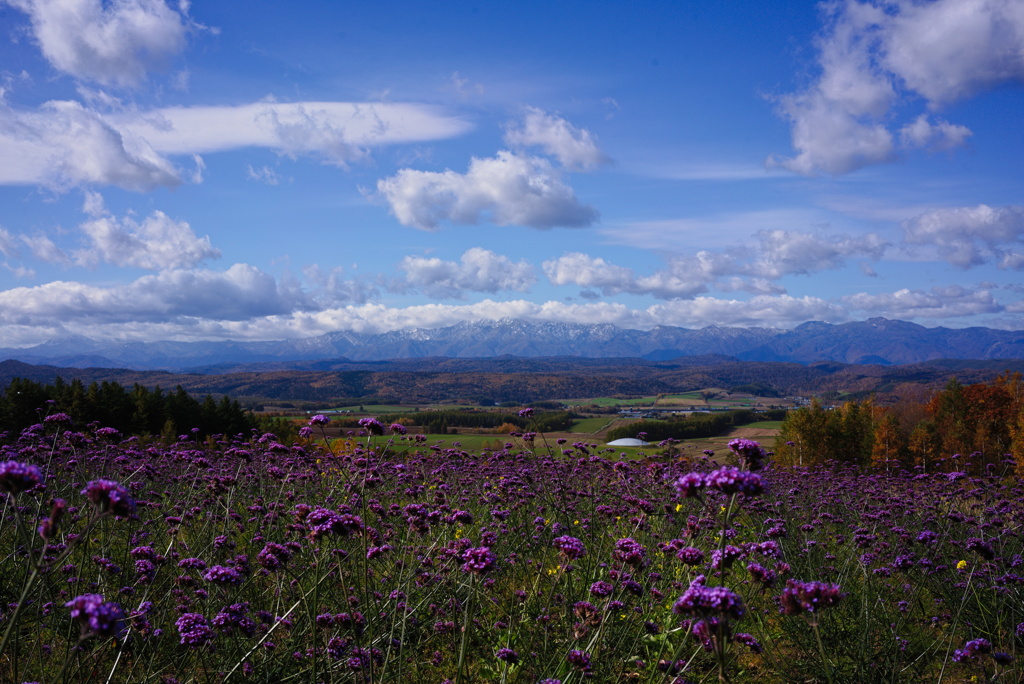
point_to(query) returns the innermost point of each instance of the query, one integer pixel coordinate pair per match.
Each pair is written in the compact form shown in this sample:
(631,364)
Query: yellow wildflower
(961,565)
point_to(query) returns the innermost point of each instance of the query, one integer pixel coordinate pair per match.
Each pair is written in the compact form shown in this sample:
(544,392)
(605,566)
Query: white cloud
(64,144)
(158,243)
(793,253)
(479,270)
(938,136)
(8,243)
(951,49)
(45,249)
(338,132)
(242,292)
(113,43)
(332,289)
(264,174)
(937,303)
(575,148)
(763,310)
(873,54)
(576,268)
(778,253)
(508,189)
(970,236)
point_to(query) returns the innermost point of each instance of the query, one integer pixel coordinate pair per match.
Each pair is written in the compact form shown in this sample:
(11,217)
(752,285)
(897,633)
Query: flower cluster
(96,616)
(704,601)
(571,547)
(110,497)
(478,560)
(16,477)
(798,597)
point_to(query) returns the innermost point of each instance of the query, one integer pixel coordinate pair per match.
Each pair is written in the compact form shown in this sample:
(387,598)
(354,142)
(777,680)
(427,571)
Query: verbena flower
(478,560)
(16,477)
(195,631)
(507,655)
(704,601)
(96,616)
(579,659)
(571,547)
(798,597)
(972,649)
(730,480)
(109,496)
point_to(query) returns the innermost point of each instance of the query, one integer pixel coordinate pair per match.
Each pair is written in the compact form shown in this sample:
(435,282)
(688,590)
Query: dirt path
(749,432)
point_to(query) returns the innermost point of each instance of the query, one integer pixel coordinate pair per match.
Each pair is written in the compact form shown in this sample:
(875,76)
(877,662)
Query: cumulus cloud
(778,253)
(872,52)
(508,189)
(64,144)
(113,43)
(158,243)
(576,268)
(239,293)
(794,253)
(479,270)
(574,148)
(970,236)
(332,288)
(937,303)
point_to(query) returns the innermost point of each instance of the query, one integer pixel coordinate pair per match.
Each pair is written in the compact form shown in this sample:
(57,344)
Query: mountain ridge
(873,341)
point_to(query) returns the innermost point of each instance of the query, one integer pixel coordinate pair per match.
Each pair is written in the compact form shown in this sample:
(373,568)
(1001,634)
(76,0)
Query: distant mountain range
(876,341)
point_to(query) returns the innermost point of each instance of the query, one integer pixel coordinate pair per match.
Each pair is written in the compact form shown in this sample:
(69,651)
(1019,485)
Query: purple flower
(48,526)
(704,601)
(690,484)
(478,560)
(323,521)
(109,496)
(972,649)
(372,425)
(397,428)
(761,574)
(319,420)
(273,556)
(508,655)
(195,631)
(629,551)
(525,413)
(18,477)
(749,452)
(691,555)
(571,547)
(220,574)
(730,480)
(57,418)
(96,616)
(810,596)
(579,659)
(601,588)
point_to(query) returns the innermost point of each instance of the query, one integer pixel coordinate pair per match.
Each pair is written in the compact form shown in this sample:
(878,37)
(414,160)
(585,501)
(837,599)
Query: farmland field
(388,557)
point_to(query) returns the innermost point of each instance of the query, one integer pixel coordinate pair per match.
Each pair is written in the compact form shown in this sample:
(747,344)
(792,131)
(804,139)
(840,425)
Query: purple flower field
(383,558)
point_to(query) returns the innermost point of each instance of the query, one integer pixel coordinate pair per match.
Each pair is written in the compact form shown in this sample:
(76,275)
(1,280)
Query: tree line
(694,425)
(438,422)
(968,428)
(137,411)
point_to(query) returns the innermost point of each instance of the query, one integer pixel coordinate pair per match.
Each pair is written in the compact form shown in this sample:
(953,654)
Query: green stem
(821,651)
(466,617)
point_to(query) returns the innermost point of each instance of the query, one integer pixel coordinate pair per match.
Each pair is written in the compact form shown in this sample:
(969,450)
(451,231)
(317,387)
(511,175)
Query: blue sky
(270,170)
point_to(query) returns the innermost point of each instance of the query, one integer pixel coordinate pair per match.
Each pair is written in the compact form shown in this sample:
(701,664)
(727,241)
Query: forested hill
(525,380)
